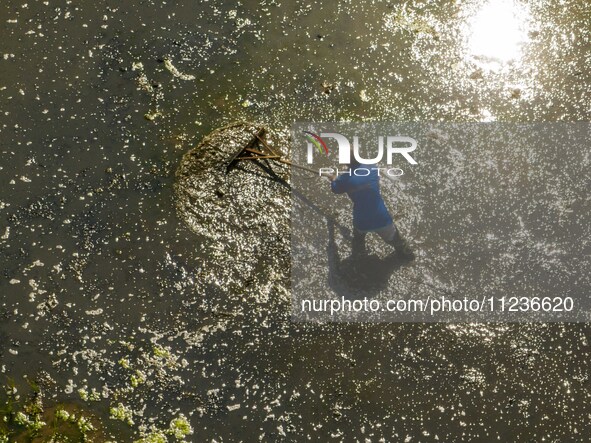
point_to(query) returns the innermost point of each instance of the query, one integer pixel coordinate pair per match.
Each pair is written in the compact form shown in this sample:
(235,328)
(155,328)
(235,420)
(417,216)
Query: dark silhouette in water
(362,274)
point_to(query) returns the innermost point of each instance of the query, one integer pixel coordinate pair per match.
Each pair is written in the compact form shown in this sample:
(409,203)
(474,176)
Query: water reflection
(497,33)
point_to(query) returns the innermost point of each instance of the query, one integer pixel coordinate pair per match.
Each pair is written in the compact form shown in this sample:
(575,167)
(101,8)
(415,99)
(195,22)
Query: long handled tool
(250,152)
(253,151)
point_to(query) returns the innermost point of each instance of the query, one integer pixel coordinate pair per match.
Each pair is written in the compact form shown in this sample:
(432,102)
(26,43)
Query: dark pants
(397,242)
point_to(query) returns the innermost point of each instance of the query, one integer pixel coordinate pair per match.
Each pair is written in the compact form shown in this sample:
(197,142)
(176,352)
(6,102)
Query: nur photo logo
(386,148)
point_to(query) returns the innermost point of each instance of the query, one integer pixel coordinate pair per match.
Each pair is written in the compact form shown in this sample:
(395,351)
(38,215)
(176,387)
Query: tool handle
(287,162)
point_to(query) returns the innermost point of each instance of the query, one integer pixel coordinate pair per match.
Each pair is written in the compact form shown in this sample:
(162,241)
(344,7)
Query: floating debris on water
(174,71)
(191,270)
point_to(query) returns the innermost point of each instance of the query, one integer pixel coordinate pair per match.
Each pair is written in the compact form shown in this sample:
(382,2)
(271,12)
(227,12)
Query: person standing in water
(369,211)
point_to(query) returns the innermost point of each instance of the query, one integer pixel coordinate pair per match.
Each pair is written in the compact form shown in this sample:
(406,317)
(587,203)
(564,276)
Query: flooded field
(154,318)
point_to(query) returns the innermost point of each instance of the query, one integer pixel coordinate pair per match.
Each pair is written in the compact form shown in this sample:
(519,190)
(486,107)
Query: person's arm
(328,175)
(340,184)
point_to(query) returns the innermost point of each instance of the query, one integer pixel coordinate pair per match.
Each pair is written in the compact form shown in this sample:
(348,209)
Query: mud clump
(242,214)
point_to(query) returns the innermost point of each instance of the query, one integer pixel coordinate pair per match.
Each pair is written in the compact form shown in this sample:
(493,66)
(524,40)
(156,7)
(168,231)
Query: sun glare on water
(497,32)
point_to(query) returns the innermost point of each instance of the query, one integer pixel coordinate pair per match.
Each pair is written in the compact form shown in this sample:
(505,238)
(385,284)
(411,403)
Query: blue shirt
(369,210)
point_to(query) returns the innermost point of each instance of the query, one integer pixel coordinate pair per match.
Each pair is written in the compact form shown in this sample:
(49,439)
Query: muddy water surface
(106,288)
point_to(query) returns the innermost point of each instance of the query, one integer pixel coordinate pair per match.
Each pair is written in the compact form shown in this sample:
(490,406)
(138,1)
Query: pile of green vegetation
(26,419)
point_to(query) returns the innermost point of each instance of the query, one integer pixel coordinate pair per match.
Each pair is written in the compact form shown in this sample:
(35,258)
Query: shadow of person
(362,274)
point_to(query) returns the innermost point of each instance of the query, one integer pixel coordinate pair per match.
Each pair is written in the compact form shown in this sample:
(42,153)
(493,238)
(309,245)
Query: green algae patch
(28,419)
(179,429)
(122,413)
(154,437)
